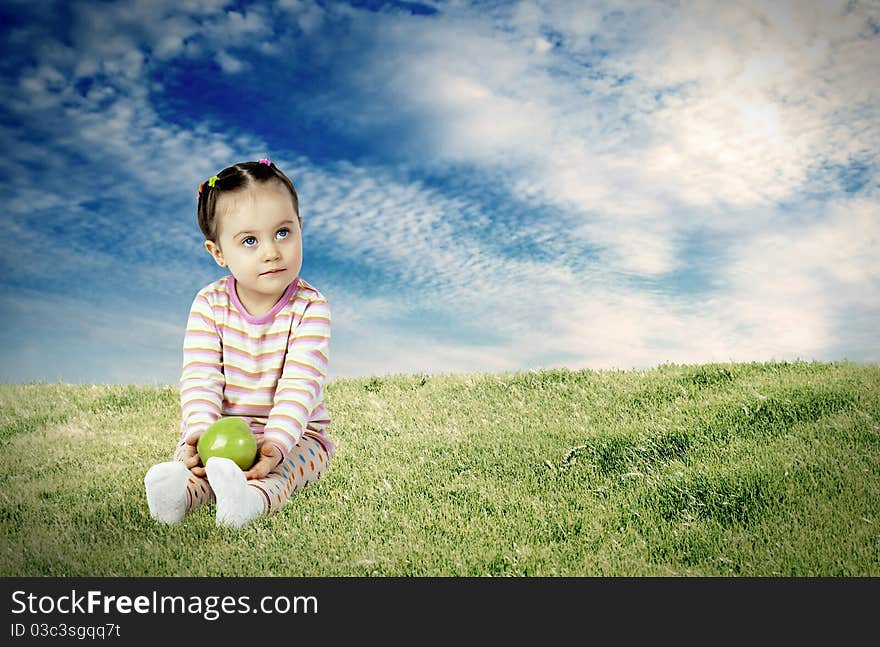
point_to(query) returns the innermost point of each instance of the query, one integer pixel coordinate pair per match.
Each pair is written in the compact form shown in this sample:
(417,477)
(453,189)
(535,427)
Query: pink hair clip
(265,161)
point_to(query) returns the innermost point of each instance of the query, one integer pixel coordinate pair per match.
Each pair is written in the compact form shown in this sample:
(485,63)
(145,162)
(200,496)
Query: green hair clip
(210,183)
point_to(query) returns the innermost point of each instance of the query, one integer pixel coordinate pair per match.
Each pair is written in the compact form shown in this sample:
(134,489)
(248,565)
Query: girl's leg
(198,490)
(240,501)
(172,490)
(237,503)
(305,463)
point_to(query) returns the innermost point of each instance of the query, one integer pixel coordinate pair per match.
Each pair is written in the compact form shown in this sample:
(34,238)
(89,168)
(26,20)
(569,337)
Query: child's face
(259,238)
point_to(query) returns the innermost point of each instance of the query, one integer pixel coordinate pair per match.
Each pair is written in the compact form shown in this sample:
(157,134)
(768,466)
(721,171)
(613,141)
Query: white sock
(237,504)
(166,491)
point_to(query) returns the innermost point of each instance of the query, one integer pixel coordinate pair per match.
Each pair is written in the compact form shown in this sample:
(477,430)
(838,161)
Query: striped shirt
(269,370)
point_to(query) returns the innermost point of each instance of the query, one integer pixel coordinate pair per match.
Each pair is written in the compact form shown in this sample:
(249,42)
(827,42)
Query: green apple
(229,438)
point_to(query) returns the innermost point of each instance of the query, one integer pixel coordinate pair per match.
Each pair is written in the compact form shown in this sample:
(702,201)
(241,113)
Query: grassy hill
(726,469)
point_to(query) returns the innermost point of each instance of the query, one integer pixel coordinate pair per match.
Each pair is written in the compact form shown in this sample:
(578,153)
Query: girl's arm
(202,380)
(302,378)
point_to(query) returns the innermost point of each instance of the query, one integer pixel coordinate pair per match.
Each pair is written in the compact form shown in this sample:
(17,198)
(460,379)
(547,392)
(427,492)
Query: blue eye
(285,231)
(250,241)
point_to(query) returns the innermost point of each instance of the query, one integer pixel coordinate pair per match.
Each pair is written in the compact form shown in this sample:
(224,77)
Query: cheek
(241,257)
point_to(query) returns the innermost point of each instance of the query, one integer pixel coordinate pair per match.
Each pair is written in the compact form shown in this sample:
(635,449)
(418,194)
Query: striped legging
(305,463)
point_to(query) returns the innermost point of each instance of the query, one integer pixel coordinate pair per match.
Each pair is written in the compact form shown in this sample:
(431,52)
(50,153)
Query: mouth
(281,269)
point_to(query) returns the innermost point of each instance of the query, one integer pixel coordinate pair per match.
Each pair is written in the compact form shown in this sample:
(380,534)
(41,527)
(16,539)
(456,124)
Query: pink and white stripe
(270,369)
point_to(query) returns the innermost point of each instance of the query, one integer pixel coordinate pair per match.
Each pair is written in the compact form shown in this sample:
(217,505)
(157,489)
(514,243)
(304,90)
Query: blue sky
(484,187)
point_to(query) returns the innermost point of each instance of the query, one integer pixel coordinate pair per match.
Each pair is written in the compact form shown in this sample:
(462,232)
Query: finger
(259,470)
(199,471)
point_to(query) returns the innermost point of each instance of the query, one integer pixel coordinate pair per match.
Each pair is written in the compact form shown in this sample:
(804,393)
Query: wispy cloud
(483,188)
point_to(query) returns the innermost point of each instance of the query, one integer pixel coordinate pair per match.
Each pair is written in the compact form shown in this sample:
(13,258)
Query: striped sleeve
(202,380)
(301,386)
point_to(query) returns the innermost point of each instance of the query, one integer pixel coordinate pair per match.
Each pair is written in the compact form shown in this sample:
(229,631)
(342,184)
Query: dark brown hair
(238,177)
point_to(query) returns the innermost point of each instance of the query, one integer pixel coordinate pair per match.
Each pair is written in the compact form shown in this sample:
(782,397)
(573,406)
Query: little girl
(256,346)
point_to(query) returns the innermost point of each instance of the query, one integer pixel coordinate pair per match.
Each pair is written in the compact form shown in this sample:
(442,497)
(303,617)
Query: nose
(270,251)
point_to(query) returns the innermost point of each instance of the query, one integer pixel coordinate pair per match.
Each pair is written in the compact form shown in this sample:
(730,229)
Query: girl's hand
(268,459)
(191,459)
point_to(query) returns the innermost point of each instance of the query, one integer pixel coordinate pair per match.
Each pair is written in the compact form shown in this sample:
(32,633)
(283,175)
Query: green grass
(714,470)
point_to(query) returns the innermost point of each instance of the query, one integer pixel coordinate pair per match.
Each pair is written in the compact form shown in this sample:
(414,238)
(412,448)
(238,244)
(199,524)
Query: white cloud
(308,15)
(230,64)
(749,103)
(782,294)
(364,344)
(710,107)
